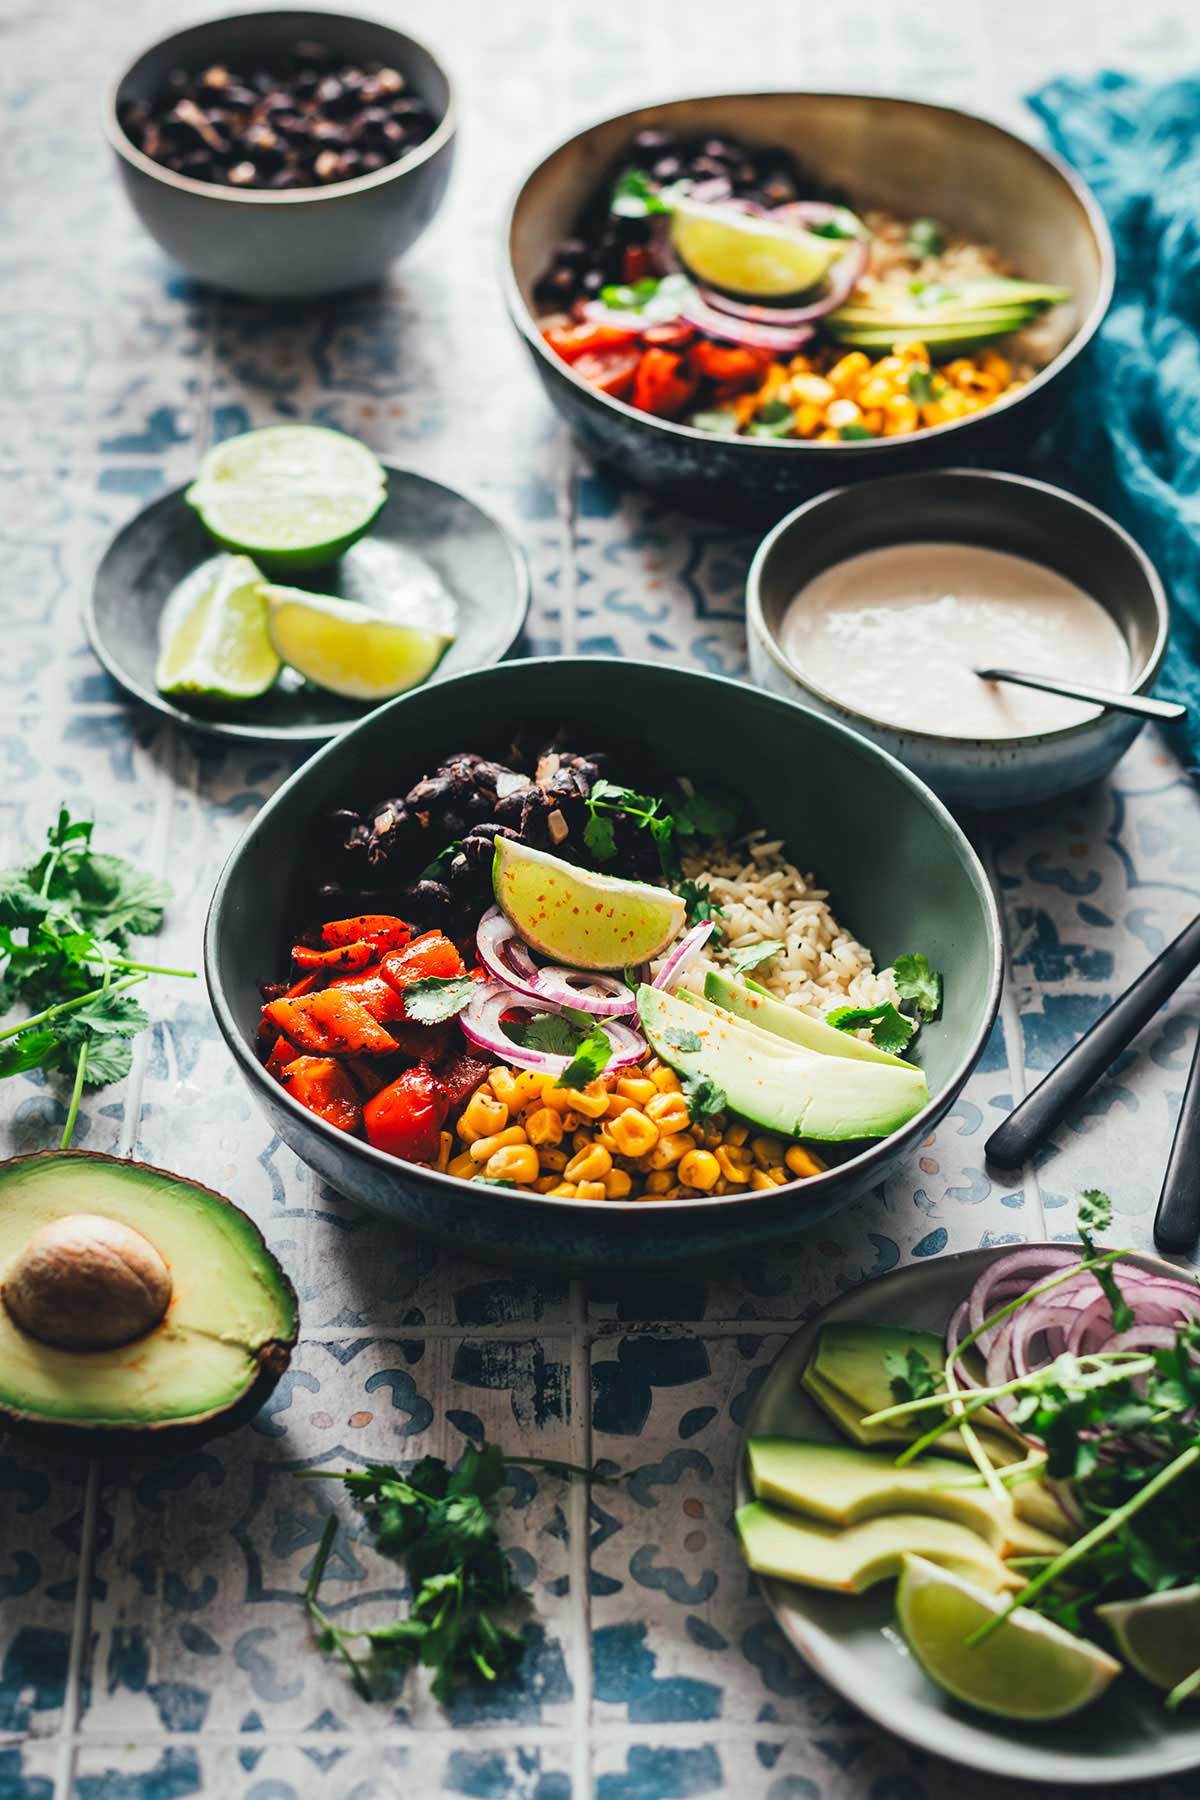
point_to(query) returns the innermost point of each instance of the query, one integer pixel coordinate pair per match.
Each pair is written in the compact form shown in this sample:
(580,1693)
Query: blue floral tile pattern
(152,1643)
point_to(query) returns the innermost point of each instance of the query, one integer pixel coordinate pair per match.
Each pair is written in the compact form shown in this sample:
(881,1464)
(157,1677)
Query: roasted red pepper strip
(432,954)
(460,1075)
(326,1088)
(371,990)
(406,1117)
(330,1022)
(727,362)
(280,1057)
(573,341)
(663,384)
(671,335)
(345,956)
(381,930)
(611,371)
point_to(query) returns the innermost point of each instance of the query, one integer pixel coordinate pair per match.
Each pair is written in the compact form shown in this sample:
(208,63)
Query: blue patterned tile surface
(151,1640)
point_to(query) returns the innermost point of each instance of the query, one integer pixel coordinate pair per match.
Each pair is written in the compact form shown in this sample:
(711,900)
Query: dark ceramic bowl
(903,155)
(845,806)
(1002,512)
(302,242)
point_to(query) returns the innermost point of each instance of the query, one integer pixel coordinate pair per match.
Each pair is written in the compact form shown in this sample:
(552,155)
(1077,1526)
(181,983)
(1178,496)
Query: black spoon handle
(1177,1221)
(1021,1133)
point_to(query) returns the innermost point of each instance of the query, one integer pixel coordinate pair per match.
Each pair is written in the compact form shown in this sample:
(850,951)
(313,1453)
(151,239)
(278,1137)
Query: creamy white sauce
(897,633)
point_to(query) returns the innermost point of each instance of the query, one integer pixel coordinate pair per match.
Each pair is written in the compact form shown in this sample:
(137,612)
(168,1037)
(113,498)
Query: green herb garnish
(700,904)
(634,196)
(916,981)
(686,1042)
(925,238)
(592,1055)
(719,421)
(65,919)
(703,1095)
(890,1030)
(567,1033)
(920,386)
(750,955)
(852,434)
(433,869)
(681,812)
(911,1376)
(774,419)
(435,998)
(842,223)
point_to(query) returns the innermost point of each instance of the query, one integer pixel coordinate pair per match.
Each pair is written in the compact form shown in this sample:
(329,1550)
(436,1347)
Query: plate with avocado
(137,1309)
(850,1534)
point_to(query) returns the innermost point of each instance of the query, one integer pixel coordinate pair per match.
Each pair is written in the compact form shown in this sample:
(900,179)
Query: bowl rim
(526,324)
(897,1142)
(1058,734)
(124,147)
(287,736)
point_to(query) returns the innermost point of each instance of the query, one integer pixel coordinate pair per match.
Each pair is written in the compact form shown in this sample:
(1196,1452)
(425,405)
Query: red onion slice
(841,282)
(776,338)
(503,954)
(592,992)
(482,1021)
(683,956)
(506,958)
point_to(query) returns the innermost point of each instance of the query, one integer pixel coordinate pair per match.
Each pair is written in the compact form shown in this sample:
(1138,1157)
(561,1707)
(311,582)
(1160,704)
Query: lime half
(221,649)
(1029,1669)
(291,496)
(574,916)
(1159,1635)
(748,255)
(346,647)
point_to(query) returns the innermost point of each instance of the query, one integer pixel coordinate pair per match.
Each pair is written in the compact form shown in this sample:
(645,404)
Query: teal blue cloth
(1129,439)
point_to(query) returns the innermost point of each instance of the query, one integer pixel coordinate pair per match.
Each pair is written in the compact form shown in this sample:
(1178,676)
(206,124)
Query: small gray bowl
(1003,512)
(302,242)
(907,156)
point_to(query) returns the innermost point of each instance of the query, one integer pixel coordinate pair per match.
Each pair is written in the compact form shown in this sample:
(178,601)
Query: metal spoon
(1138,704)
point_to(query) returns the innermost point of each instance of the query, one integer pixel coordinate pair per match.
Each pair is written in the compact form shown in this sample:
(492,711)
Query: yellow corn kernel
(873,421)
(617,1103)
(737,1135)
(565,1190)
(912,353)
(618,1184)
(669,1112)
(739,1156)
(760,1181)
(828,437)
(545,1184)
(666,1080)
(591,1101)
(544,1126)
(842,412)
(847,374)
(658,1183)
(590,1190)
(800,365)
(515,1090)
(957,368)
(874,393)
(800,1162)
(668,1150)
(767,1149)
(888,367)
(814,389)
(604,1136)
(552,1159)
(558,1098)
(463,1166)
(901,418)
(482,1115)
(699,1169)
(445,1145)
(638,1088)
(729,1169)
(808,419)
(778,1174)
(978,386)
(484,1147)
(998,367)
(591,1163)
(517,1162)
(936,412)
(634,1133)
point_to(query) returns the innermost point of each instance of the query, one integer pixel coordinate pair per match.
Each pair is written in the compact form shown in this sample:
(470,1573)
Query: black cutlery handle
(1177,1221)
(1015,1141)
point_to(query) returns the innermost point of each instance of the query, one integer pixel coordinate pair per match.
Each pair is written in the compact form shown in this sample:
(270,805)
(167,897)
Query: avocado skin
(167,1437)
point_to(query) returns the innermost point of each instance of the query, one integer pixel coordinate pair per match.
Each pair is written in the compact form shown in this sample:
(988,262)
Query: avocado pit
(86,1282)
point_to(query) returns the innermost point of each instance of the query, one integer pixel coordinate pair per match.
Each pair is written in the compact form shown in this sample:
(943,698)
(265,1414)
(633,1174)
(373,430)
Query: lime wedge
(747,255)
(346,647)
(590,921)
(1159,1635)
(291,496)
(221,649)
(1029,1669)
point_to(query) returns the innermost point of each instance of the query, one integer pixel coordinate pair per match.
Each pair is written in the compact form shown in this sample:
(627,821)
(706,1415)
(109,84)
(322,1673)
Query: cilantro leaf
(436,997)
(634,196)
(750,955)
(28,1050)
(551,1033)
(703,1095)
(925,238)
(599,836)
(433,869)
(700,904)
(116,900)
(686,1042)
(890,1030)
(920,386)
(699,814)
(1094,1212)
(911,1376)
(916,981)
(109,1059)
(592,1055)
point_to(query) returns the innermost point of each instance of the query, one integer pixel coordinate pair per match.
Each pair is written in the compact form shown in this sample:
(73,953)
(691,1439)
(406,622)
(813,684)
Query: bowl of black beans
(284,155)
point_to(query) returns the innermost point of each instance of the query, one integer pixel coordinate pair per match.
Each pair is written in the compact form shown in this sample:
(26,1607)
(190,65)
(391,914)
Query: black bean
(667,168)
(650,144)
(311,55)
(243,175)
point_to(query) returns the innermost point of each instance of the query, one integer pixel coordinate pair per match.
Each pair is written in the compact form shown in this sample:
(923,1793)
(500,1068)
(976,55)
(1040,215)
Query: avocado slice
(849,1560)
(132,1303)
(842,1484)
(754,1006)
(778,1085)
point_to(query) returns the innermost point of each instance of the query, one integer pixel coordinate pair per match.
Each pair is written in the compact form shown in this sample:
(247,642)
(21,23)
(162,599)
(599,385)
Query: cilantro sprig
(567,1033)
(682,812)
(890,1030)
(435,998)
(65,921)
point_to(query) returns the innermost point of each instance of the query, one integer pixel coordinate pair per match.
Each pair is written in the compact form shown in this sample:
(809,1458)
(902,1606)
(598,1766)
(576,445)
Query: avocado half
(138,1310)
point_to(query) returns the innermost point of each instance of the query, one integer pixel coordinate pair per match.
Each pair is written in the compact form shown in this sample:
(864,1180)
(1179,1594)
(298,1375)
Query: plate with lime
(296,582)
(968,1491)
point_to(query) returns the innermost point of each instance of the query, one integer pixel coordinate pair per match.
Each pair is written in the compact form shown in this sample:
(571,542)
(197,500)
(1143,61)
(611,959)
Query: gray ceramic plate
(425,533)
(854,1645)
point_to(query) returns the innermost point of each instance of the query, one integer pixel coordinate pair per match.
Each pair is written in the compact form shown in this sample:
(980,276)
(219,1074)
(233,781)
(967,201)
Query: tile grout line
(1010,1016)
(578,1519)
(81,1620)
